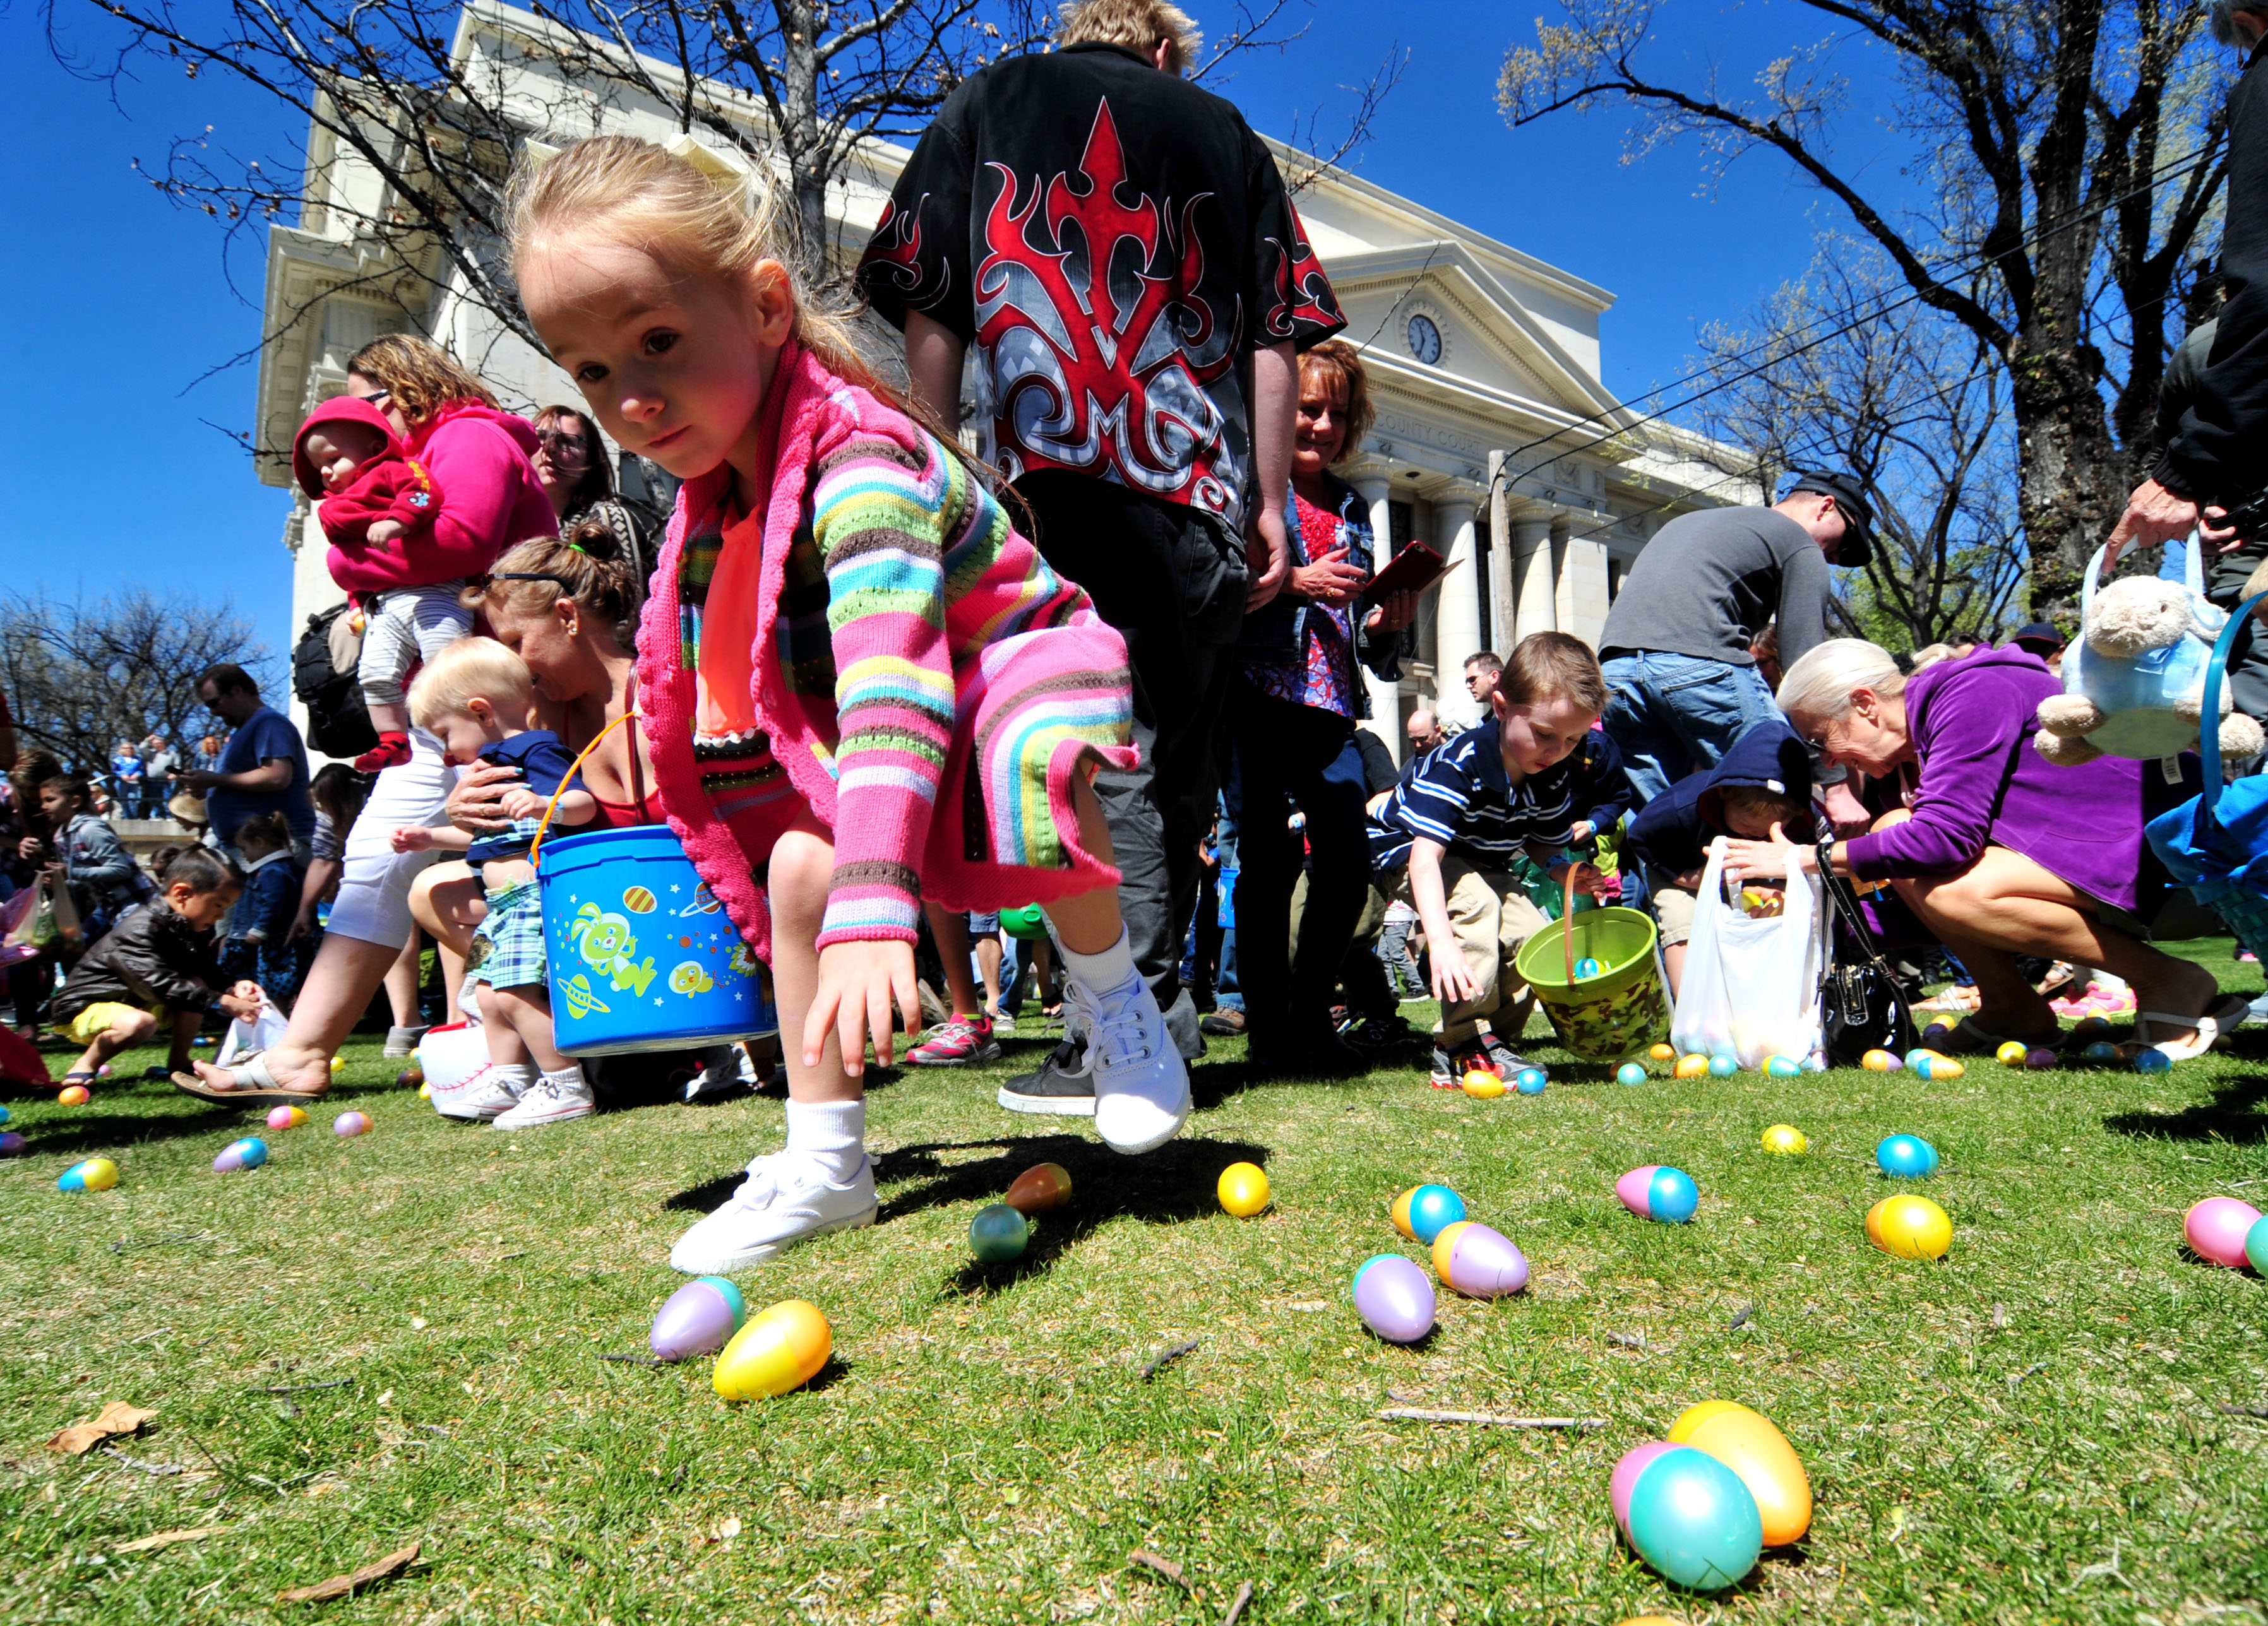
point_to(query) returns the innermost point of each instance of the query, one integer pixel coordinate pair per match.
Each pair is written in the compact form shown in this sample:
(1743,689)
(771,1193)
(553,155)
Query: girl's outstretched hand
(859,984)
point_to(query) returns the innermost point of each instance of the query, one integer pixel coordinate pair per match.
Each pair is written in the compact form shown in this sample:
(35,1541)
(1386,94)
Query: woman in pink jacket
(481,456)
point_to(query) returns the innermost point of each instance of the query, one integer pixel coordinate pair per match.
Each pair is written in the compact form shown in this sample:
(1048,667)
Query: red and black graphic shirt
(1115,243)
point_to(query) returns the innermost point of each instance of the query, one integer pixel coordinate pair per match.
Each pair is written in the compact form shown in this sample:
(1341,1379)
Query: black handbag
(1862,1005)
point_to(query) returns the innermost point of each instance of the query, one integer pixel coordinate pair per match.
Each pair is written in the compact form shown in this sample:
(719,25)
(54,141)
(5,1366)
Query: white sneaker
(784,1199)
(549,1100)
(1141,1084)
(488,1090)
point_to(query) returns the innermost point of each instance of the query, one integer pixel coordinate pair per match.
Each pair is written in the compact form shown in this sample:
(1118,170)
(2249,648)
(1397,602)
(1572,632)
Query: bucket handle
(1567,924)
(535,847)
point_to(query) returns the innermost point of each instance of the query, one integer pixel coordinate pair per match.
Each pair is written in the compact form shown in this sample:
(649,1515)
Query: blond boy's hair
(1544,665)
(1138,25)
(472,669)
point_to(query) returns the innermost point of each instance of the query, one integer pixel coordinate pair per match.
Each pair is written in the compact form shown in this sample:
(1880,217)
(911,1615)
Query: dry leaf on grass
(340,1586)
(166,1538)
(117,1418)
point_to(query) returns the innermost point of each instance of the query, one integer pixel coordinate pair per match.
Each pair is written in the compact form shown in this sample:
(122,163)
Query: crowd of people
(891,699)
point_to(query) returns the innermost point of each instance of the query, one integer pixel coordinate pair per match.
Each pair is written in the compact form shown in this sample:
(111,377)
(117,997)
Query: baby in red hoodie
(377,510)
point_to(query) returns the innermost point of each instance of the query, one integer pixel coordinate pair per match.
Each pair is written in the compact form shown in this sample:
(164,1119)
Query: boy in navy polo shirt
(474,696)
(1530,777)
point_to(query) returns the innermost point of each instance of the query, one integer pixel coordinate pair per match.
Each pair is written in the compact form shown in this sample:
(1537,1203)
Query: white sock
(569,1080)
(1100,974)
(831,1133)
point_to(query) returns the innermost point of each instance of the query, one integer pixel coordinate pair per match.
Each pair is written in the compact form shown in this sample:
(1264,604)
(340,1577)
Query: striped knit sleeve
(879,517)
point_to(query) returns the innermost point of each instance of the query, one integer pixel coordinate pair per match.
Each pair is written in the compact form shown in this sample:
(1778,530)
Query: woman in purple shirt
(2000,852)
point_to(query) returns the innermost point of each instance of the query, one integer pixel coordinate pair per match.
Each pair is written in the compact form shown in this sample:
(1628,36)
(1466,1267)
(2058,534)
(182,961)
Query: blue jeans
(1669,715)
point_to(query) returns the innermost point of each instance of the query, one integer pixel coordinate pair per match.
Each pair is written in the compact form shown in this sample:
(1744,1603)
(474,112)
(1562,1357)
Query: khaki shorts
(1673,908)
(99,1017)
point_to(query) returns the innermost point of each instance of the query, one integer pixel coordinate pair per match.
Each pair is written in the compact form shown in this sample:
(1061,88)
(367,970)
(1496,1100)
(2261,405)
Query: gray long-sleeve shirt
(1711,580)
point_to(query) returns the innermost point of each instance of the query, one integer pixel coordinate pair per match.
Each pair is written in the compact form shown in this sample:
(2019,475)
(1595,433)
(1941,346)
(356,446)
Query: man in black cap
(2042,639)
(1681,683)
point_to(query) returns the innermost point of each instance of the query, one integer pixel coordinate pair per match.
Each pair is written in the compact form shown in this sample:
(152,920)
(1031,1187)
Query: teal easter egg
(1783,1067)
(1530,1081)
(1629,1072)
(998,1234)
(1432,1209)
(1723,1066)
(1694,1521)
(2256,1244)
(1906,1157)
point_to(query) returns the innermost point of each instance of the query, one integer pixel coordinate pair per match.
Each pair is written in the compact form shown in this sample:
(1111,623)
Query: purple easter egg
(11,1144)
(2216,1228)
(1479,1261)
(1635,1189)
(700,1318)
(1393,1298)
(1634,1462)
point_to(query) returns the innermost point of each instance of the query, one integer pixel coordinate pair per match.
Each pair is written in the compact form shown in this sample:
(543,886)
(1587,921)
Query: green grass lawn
(2034,1429)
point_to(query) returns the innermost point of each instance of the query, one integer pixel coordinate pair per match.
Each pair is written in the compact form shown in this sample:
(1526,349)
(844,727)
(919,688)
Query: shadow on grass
(2232,1114)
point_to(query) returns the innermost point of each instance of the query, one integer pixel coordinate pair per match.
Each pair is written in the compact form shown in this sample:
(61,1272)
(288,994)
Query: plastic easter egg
(1398,1210)
(1660,1193)
(1692,1066)
(1748,1443)
(780,1348)
(2153,1060)
(1046,1186)
(1906,1157)
(353,1123)
(286,1117)
(1629,1072)
(2011,1054)
(410,1079)
(1431,1209)
(1879,1062)
(248,1153)
(1936,1034)
(1694,1521)
(1786,1140)
(338,1065)
(4,1115)
(73,1095)
(1914,1058)
(1625,1479)
(1782,1067)
(2090,1028)
(11,1144)
(1531,1081)
(2256,1245)
(104,1071)
(2217,1228)
(998,1234)
(2101,1053)
(1478,1262)
(94,1175)
(1911,1227)
(2040,1059)
(1393,1298)
(1662,1053)
(425,1091)
(1242,1189)
(1482,1085)
(1680,1431)
(700,1318)
(1941,1069)
(1586,969)
(1722,1067)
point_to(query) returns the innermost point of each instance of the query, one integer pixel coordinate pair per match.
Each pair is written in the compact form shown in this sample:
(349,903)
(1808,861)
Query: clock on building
(1425,340)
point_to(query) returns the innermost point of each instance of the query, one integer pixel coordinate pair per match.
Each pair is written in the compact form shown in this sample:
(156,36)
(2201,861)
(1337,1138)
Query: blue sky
(120,304)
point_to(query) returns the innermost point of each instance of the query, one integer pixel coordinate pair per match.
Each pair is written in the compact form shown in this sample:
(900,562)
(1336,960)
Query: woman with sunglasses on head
(578,477)
(484,457)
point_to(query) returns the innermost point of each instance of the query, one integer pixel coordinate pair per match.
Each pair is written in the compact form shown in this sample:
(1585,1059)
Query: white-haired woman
(2000,852)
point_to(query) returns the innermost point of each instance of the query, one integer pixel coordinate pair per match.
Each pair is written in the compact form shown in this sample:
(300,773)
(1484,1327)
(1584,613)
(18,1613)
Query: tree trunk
(802,138)
(2074,483)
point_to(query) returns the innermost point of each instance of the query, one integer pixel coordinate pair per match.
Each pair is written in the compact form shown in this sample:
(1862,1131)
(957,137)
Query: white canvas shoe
(1141,1083)
(549,1099)
(482,1094)
(784,1199)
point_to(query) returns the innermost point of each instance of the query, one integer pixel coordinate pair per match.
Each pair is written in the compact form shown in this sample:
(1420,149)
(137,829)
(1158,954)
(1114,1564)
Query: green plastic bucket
(1617,1013)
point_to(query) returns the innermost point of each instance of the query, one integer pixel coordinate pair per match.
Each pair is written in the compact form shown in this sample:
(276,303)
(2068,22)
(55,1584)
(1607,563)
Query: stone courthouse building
(1474,350)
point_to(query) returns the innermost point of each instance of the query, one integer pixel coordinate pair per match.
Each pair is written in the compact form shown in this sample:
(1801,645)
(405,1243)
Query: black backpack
(1862,1006)
(323,676)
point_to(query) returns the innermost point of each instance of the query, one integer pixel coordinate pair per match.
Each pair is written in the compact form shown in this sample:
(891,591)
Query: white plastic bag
(243,1038)
(1752,987)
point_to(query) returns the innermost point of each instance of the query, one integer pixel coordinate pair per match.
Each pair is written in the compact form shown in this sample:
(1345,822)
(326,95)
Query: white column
(1459,598)
(1537,608)
(1384,697)
(1582,595)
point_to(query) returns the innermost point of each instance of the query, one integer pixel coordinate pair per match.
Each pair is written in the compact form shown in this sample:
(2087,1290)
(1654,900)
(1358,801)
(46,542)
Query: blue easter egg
(1723,1066)
(1586,969)
(1693,1520)
(1783,1067)
(2153,1060)
(1671,1196)
(1906,1157)
(2099,1054)
(998,1234)
(4,1115)
(1915,1060)
(1629,1072)
(1530,1081)
(1434,1209)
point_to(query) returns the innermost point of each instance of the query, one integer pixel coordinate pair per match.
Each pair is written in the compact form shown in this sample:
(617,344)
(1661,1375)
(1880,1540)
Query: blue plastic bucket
(641,954)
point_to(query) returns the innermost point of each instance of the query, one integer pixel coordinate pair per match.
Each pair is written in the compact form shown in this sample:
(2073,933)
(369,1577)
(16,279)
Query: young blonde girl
(863,687)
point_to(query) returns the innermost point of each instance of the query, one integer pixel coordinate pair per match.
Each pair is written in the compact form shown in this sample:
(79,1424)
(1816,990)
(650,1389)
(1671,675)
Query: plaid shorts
(508,947)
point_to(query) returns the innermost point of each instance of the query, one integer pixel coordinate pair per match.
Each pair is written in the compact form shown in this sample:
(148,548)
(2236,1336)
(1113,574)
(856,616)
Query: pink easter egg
(1634,1462)
(1635,1189)
(2216,1227)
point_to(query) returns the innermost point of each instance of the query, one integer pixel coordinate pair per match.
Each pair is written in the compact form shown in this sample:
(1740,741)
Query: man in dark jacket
(1118,248)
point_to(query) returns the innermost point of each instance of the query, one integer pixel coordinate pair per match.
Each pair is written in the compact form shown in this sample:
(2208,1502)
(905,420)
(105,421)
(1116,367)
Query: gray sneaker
(403,1040)
(1062,1086)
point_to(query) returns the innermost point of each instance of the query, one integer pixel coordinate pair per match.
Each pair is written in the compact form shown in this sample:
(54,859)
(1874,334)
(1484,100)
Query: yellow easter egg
(1243,1189)
(1748,1443)
(1909,1227)
(1681,1432)
(1399,1210)
(779,1349)
(1663,1053)
(1879,1062)
(1482,1085)
(338,1065)
(1786,1140)
(2011,1054)
(1692,1066)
